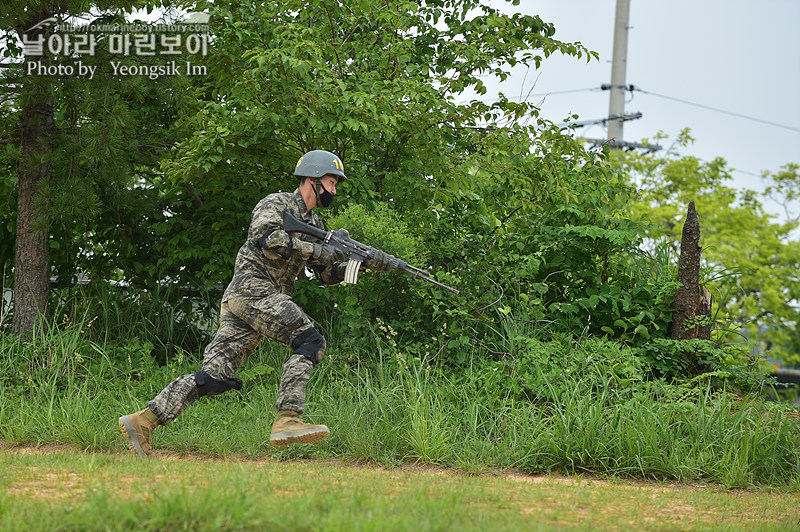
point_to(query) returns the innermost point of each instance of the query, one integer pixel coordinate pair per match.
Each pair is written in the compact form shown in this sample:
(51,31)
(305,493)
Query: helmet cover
(318,163)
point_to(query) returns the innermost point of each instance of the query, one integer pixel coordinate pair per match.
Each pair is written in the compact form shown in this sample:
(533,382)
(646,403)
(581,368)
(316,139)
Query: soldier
(257,303)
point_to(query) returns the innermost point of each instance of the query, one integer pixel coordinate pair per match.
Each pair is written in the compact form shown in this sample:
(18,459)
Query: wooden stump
(691,317)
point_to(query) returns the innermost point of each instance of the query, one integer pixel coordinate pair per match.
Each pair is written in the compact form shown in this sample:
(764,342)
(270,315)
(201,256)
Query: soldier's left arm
(330,275)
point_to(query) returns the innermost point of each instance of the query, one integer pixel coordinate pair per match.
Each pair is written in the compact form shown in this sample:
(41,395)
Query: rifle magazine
(351,272)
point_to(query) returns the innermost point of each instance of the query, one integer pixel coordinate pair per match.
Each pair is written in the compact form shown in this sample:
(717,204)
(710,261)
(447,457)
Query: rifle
(356,251)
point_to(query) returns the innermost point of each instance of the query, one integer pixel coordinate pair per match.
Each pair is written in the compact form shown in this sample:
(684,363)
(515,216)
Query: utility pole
(616,106)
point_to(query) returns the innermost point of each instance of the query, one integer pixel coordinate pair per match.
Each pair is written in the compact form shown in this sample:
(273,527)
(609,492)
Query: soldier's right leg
(279,318)
(232,344)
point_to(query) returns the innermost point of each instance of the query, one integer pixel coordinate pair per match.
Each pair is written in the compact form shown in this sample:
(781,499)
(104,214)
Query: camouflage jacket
(270,260)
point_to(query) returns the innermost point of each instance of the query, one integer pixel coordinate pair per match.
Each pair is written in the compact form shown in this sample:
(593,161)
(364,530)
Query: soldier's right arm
(278,243)
(267,230)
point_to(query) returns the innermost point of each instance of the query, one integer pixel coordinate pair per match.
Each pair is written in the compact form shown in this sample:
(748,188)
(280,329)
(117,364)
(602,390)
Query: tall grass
(68,387)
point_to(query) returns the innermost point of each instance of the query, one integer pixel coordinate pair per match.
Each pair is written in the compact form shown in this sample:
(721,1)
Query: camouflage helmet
(318,163)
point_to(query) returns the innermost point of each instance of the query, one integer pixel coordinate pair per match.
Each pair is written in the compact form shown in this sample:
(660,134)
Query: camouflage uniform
(256,304)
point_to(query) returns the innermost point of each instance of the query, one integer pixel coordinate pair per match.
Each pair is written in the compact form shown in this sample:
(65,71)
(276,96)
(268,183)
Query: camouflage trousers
(242,325)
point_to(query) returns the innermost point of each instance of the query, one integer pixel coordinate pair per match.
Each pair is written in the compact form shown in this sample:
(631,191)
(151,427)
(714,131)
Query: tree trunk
(692,306)
(704,315)
(687,299)
(32,253)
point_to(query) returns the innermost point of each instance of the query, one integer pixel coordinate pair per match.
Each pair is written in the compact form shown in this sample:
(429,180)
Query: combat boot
(288,429)
(138,428)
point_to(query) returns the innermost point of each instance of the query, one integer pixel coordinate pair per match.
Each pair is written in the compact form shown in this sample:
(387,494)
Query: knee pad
(208,385)
(310,344)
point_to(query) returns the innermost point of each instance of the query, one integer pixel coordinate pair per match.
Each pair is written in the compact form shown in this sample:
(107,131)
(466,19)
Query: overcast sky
(739,56)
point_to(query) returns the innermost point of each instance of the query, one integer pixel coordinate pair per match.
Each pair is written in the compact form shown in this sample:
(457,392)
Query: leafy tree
(751,257)
(548,239)
(375,81)
(34,134)
(80,154)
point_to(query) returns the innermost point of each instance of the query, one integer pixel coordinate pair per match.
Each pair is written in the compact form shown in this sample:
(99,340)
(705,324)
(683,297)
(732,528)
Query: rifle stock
(293,225)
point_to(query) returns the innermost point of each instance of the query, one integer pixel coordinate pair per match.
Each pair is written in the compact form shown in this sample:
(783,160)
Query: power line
(493,100)
(717,110)
(686,102)
(563,92)
(633,88)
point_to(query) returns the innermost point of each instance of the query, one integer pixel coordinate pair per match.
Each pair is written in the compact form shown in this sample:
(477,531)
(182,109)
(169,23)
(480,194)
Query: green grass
(69,390)
(60,490)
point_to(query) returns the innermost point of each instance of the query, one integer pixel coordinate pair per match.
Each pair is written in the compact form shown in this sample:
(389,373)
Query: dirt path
(426,469)
(657,486)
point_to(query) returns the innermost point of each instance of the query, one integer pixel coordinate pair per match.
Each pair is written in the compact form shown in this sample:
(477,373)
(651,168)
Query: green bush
(349,313)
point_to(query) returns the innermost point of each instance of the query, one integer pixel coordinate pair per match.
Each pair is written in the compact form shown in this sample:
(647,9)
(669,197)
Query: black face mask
(325,197)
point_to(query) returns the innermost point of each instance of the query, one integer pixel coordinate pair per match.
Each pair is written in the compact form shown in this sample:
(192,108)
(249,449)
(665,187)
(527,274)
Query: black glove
(380,261)
(328,254)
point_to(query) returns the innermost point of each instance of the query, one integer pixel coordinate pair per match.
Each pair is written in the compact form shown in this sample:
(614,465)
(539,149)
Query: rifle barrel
(293,225)
(425,276)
